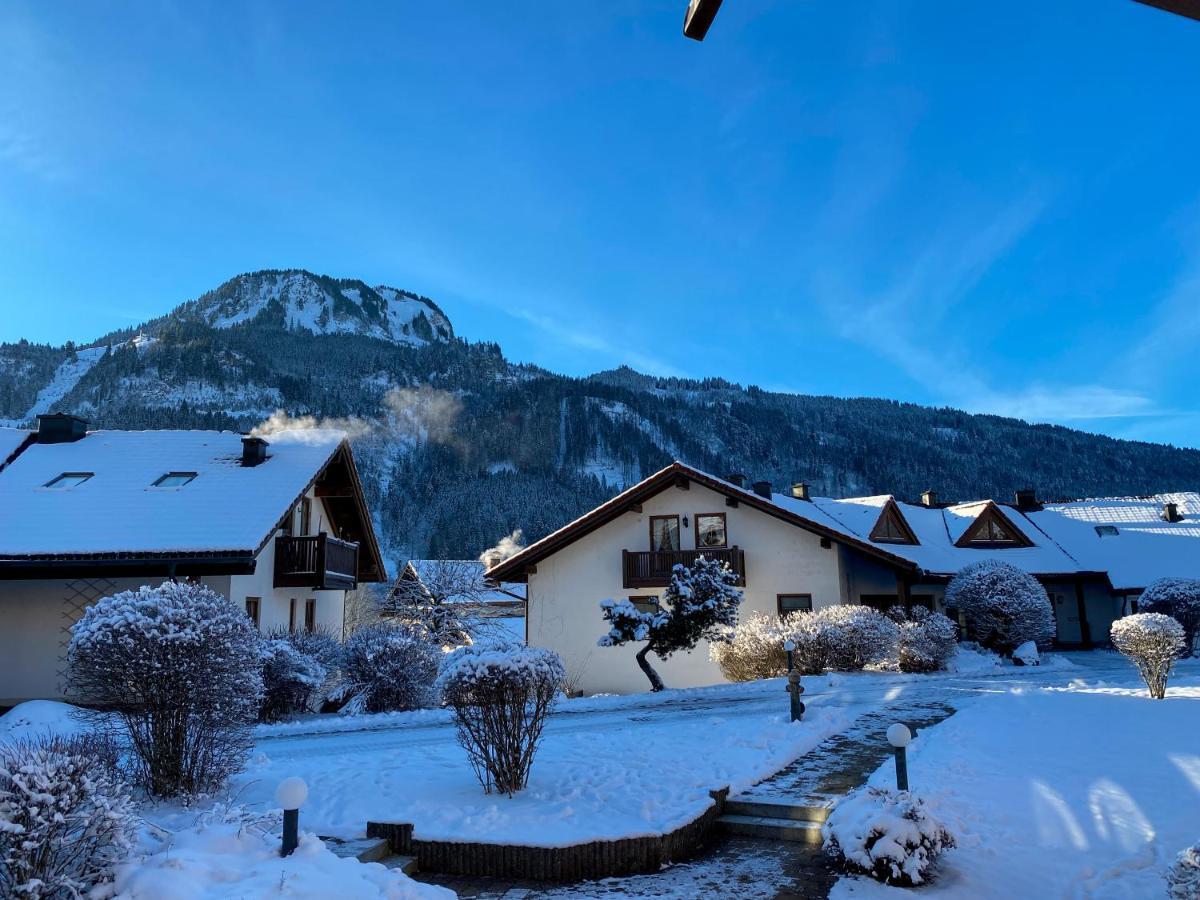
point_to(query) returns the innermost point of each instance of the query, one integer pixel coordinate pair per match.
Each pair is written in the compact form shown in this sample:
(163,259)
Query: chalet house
(278,525)
(797,552)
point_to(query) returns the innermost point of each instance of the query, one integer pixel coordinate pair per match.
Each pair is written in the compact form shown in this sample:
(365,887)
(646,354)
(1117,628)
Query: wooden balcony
(316,561)
(642,569)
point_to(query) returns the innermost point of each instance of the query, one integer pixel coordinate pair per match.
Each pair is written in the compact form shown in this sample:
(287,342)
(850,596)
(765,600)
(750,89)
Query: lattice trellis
(77,596)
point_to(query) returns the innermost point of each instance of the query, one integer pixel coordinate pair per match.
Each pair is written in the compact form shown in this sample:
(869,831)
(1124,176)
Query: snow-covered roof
(1145,546)
(470,573)
(226,508)
(11,440)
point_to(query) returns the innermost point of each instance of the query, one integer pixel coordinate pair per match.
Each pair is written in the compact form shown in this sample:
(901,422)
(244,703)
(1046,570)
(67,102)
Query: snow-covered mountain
(300,300)
(458,446)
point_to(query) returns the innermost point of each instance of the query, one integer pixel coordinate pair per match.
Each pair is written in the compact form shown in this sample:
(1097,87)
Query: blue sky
(987,206)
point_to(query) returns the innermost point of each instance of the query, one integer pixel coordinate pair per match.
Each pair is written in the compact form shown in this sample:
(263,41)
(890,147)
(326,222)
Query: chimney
(800,490)
(929,498)
(1171,512)
(254,451)
(60,428)
(762,488)
(1026,500)
(737,479)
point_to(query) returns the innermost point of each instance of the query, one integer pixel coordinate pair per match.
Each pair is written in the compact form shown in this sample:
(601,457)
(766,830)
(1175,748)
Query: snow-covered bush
(1152,642)
(66,817)
(1183,877)
(753,649)
(389,668)
(701,602)
(501,696)
(179,666)
(289,678)
(320,643)
(842,637)
(1003,606)
(890,835)
(1178,598)
(926,641)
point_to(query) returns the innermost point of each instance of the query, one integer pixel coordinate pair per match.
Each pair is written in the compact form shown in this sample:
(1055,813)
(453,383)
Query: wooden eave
(516,568)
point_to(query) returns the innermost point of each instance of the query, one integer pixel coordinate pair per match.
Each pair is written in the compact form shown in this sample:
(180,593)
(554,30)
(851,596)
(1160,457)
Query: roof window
(175,479)
(68,480)
(1107,531)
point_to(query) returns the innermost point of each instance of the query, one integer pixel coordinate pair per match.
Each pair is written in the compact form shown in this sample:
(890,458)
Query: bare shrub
(389,668)
(753,650)
(926,640)
(179,666)
(501,696)
(290,678)
(844,638)
(1152,642)
(1183,876)
(66,817)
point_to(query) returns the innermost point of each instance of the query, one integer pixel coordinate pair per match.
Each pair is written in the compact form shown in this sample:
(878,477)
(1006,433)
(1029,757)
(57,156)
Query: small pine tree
(701,602)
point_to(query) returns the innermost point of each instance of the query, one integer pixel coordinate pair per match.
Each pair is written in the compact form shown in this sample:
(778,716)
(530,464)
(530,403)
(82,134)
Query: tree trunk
(656,683)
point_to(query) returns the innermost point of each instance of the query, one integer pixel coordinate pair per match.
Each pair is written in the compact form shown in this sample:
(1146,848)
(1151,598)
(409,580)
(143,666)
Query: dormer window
(68,480)
(175,479)
(993,529)
(891,528)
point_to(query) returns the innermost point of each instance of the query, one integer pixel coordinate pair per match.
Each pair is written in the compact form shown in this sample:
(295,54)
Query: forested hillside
(458,447)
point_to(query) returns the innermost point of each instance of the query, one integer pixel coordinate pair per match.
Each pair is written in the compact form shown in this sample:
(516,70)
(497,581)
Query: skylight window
(1107,530)
(175,479)
(68,480)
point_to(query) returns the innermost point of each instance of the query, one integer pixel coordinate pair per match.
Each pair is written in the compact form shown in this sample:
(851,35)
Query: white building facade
(279,526)
(795,552)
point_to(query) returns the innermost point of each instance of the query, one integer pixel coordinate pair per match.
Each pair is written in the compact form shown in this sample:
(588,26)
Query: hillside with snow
(458,446)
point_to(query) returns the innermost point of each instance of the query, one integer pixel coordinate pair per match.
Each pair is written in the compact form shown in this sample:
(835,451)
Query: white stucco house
(278,525)
(795,552)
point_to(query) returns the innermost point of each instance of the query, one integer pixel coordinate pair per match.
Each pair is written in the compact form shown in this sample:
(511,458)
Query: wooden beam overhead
(635,507)
(731,502)
(682,483)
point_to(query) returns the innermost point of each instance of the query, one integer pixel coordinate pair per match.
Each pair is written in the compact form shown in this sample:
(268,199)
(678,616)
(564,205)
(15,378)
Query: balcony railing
(316,561)
(652,568)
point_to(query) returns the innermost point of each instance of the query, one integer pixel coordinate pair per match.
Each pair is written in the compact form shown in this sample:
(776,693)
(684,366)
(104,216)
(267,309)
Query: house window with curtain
(253,609)
(664,533)
(710,531)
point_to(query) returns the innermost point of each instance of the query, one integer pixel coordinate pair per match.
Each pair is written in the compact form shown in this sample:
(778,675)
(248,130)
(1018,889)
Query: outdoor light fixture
(900,737)
(794,688)
(291,794)
(700,14)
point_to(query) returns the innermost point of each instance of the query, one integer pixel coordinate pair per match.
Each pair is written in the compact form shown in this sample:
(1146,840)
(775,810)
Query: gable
(891,527)
(992,528)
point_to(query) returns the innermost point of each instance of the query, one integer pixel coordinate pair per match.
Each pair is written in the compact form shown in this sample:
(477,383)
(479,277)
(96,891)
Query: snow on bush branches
(66,817)
(701,602)
(1178,598)
(290,678)
(845,638)
(1183,877)
(752,650)
(1152,642)
(891,836)
(1004,606)
(501,695)
(389,668)
(926,641)
(179,666)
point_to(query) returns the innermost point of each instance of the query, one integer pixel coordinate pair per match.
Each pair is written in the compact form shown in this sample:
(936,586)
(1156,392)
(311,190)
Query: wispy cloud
(596,343)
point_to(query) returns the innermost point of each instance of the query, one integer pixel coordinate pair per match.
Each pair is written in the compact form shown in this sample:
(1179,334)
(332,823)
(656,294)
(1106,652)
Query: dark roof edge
(512,569)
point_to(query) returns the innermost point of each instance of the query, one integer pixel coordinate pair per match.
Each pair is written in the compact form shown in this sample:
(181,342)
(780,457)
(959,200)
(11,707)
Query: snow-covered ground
(1083,790)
